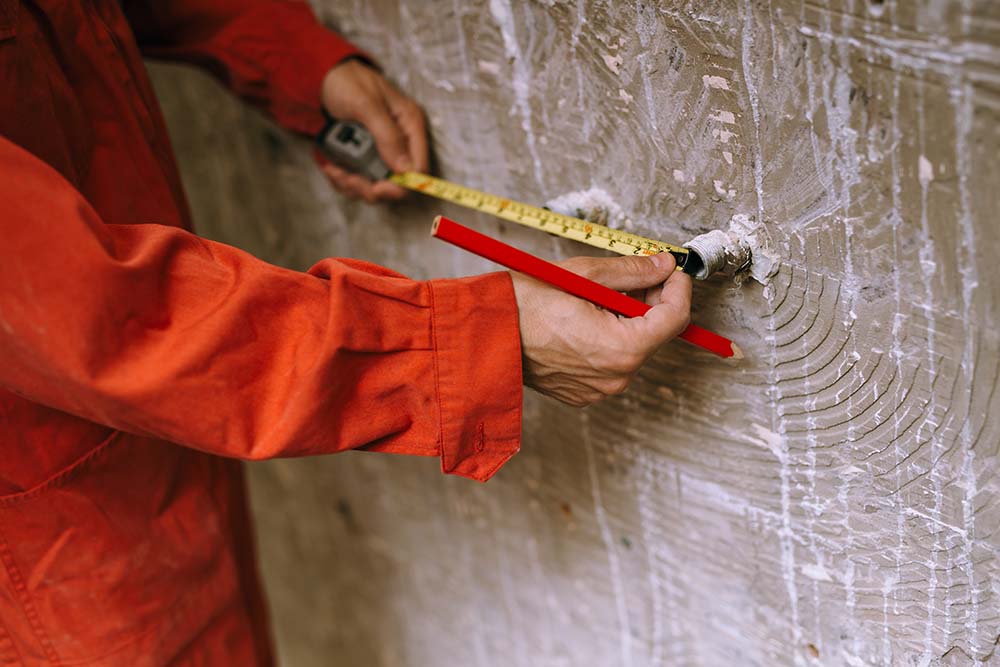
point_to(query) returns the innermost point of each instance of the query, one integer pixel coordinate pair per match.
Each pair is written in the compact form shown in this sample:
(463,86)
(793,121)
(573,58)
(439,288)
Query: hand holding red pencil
(579,353)
(574,351)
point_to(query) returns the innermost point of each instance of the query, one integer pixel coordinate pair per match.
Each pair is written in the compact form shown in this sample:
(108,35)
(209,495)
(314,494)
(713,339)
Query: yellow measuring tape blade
(545,220)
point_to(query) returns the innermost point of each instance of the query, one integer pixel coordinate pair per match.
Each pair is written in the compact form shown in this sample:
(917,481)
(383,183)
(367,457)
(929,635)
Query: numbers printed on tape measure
(543,219)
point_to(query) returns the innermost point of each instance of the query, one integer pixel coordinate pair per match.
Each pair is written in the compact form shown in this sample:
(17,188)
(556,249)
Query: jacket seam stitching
(62,475)
(27,605)
(9,652)
(437,375)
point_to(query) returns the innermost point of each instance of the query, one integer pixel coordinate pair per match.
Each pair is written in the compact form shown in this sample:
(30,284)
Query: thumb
(625,273)
(389,137)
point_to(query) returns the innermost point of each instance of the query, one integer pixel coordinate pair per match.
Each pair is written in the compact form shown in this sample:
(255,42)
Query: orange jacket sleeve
(272,53)
(152,330)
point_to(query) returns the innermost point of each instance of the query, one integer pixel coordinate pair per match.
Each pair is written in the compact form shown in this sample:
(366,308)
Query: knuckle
(583,266)
(628,363)
(415,110)
(684,321)
(575,264)
(633,266)
(638,265)
(620,366)
(635,363)
(617,386)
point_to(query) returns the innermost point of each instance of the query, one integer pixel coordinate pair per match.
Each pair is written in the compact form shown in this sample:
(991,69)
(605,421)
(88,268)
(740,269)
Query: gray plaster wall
(830,500)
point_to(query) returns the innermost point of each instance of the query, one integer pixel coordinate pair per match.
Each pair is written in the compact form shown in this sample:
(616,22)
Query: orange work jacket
(139,362)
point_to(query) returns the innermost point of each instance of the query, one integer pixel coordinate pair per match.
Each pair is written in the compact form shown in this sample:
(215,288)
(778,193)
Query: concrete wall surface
(830,500)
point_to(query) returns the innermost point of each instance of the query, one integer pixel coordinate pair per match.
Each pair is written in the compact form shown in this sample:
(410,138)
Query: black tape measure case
(352,147)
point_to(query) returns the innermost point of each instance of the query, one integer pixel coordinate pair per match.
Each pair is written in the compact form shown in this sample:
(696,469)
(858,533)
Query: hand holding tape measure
(351,146)
(355,90)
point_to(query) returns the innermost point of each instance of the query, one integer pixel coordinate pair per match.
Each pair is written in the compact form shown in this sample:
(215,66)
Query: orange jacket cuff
(478,373)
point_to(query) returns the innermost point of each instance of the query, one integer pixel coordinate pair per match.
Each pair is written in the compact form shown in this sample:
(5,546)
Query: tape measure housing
(352,147)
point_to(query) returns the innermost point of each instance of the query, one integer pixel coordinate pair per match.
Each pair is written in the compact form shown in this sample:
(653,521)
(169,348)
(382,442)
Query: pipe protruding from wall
(717,252)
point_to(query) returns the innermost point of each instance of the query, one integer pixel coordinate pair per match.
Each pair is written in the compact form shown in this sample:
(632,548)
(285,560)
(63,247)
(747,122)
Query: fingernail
(662,260)
(404,164)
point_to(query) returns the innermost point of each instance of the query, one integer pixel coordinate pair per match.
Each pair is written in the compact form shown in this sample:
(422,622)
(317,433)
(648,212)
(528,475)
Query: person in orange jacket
(139,363)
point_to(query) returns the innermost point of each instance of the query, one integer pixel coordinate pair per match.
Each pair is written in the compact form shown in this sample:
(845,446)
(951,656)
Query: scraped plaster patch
(489,67)
(713,81)
(593,205)
(925,172)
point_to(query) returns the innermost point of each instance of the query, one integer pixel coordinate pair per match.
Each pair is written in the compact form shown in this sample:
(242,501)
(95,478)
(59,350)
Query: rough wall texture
(832,500)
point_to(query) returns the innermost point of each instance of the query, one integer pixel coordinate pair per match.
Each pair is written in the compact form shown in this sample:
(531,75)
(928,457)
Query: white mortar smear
(745,248)
(592,205)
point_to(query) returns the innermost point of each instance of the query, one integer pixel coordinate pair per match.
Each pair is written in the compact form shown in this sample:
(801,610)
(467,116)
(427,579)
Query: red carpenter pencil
(577,285)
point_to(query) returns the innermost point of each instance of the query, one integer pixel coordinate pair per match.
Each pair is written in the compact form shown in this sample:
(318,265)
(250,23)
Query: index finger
(384,190)
(410,118)
(668,318)
(676,293)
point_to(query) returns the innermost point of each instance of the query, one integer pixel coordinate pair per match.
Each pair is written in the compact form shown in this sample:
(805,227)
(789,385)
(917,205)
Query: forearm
(273,54)
(153,330)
